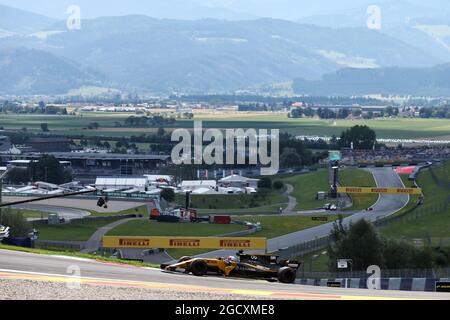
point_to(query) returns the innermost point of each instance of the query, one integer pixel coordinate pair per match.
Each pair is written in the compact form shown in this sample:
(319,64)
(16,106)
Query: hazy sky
(234,9)
(292,9)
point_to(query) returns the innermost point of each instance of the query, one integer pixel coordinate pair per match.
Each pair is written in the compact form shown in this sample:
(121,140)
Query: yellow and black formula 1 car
(260,266)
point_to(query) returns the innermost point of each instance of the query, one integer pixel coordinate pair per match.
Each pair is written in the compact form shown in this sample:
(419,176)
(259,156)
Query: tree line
(361,243)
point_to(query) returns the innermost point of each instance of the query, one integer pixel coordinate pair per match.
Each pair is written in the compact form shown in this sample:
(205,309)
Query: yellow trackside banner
(184,242)
(379,190)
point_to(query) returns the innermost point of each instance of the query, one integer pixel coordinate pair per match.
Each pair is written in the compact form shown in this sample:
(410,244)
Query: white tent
(120,183)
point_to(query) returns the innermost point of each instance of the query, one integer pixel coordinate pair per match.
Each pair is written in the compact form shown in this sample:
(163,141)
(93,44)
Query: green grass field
(137,210)
(274,226)
(385,128)
(151,228)
(225,204)
(76,231)
(359,178)
(30,213)
(432,226)
(412,198)
(306,187)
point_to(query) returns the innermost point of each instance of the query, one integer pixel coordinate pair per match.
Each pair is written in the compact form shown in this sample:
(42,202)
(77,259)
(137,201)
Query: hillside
(215,55)
(28,71)
(402,81)
(19,21)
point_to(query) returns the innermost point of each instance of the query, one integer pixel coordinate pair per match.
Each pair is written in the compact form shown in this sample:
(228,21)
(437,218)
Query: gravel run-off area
(46,290)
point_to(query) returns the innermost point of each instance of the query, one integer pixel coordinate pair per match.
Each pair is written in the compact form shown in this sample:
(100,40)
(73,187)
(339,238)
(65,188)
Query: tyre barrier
(403,284)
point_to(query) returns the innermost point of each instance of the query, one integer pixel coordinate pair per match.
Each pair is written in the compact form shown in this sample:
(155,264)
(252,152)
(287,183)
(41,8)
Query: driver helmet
(231,259)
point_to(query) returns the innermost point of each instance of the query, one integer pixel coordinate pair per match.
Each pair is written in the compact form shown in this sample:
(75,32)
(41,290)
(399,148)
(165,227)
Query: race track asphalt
(27,266)
(63,212)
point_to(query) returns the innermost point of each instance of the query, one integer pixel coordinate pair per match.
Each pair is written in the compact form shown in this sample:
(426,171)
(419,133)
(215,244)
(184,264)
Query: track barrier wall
(404,284)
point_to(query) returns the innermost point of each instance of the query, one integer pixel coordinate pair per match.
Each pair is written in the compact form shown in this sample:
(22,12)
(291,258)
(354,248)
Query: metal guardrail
(71,245)
(94,218)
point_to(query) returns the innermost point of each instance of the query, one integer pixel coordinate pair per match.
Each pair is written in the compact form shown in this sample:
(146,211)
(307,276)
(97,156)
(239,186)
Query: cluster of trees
(442,112)
(323,113)
(266,183)
(44,127)
(361,243)
(144,121)
(93,126)
(168,194)
(160,142)
(18,225)
(343,113)
(362,137)
(42,108)
(256,107)
(294,152)
(279,101)
(47,169)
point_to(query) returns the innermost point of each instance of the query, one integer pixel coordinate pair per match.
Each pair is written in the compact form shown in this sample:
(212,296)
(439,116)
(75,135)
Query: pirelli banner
(185,242)
(417,191)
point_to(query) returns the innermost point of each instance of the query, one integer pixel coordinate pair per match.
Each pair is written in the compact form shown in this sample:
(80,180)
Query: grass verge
(359,178)
(152,228)
(274,226)
(74,231)
(306,187)
(434,225)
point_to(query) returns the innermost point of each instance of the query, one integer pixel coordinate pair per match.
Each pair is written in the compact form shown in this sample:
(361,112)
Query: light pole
(335,180)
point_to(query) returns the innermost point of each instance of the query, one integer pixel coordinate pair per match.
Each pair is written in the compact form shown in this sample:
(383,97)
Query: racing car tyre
(199,268)
(287,275)
(185,258)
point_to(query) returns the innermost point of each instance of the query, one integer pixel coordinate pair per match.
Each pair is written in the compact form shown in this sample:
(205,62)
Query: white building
(237,181)
(192,185)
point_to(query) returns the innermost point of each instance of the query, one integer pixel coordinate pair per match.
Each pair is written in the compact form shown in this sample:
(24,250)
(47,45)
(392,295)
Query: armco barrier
(404,284)
(71,245)
(106,218)
(92,218)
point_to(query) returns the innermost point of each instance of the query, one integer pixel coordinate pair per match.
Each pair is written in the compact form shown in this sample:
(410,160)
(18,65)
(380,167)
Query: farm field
(75,125)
